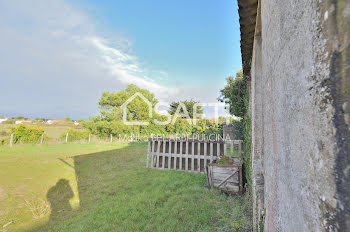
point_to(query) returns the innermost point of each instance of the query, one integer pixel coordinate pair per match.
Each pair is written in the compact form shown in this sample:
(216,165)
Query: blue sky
(59,56)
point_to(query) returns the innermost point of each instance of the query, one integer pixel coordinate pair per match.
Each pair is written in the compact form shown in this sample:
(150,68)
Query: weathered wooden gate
(187,154)
(226,177)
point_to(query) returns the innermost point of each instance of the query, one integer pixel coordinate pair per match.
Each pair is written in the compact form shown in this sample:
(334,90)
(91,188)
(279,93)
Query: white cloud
(127,68)
(55,63)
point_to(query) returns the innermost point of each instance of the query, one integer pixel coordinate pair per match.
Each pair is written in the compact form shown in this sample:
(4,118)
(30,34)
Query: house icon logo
(124,107)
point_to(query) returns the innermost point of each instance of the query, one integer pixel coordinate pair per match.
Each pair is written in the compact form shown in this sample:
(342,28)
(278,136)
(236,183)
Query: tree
(110,104)
(189,106)
(234,94)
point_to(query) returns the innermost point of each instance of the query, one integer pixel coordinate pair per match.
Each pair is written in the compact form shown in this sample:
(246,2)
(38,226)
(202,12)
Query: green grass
(106,187)
(235,152)
(55,132)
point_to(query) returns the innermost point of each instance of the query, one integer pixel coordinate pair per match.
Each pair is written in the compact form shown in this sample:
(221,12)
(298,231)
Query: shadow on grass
(118,193)
(59,196)
(94,176)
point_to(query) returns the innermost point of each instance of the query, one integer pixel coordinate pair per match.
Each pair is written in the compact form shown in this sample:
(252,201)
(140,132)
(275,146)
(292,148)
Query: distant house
(3,120)
(50,122)
(76,123)
(22,121)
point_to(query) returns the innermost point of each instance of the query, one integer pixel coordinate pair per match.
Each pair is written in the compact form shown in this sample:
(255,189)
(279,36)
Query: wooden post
(148,151)
(175,154)
(218,145)
(199,157)
(158,152)
(163,155)
(186,156)
(111,138)
(232,148)
(90,139)
(67,138)
(205,156)
(42,139)
(180,165)
(169,158)
(240,148)
(211,152)
(192,158)
(240,180)
(152,154)
(11,140)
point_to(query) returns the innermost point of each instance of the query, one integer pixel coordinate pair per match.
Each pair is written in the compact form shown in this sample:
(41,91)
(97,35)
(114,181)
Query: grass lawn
(106,187)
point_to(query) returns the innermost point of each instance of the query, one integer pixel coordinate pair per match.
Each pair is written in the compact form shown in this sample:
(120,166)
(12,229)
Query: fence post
(180,164)
(192,157)
(175,154)
(232,148)
(205,156)
(169,159)
(186,155)
(199,157)
(111,138)
(158,153)
(240,148)
(152,154)
(89,138)
(148,153)
(67,138)
(163,156)
(11,140)
(42,139)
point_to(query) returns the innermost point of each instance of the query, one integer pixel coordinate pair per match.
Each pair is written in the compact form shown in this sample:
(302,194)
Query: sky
(57,57)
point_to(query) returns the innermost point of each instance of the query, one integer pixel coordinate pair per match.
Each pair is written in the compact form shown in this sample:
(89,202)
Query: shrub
(5,141)
(75,135)
(10,121)
(26,134)
(3,134)
(104,128)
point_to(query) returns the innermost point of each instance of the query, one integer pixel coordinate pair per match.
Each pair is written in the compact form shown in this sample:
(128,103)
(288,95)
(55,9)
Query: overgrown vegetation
(247,133)
(236,94)
(26,134)
(225,160)
(75,135)
(103,128)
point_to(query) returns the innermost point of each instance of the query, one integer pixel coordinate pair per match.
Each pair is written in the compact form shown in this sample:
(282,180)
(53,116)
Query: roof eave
(247,10)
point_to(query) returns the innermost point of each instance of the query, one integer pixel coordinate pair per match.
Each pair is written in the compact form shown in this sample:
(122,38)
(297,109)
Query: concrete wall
(300,116)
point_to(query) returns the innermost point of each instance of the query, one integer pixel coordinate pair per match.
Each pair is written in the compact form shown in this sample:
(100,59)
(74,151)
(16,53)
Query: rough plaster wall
(258,135)
(294,128)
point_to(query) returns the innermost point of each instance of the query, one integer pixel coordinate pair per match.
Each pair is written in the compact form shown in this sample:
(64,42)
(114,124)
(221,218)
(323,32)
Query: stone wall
(300,91)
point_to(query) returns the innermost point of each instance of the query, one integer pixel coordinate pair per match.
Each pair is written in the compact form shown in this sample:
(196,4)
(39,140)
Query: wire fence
(67,139)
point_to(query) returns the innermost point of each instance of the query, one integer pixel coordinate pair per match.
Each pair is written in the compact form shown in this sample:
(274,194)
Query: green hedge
(75,135)
(103,128)
(26,134)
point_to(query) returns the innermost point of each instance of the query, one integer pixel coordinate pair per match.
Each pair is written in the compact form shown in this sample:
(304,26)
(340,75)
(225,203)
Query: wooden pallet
(226,177)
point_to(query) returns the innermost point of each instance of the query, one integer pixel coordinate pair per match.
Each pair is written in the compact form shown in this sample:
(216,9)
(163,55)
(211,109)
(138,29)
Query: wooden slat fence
(235,145)
(186,154)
